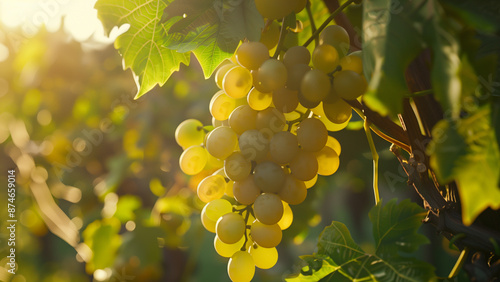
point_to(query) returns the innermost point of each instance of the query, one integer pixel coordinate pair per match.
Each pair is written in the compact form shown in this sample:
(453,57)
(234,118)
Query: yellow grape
(267,236)
(237,167)
(270,35)
(304,166)
(294,191)
(246,191)
(241,267)
(243,118)
(217,208)
(283,147)
(272,74)
(325,58)
(257,83)
(295,75)
(211,188)
(337,37)
(264,258)
(274,9)
(352,62)
(189,132)
(287,218)
(270,121)
(349,85)
(315,86)
(312,134)
(217,123)
(221,72)
(328,161)
(310,183)
(258,100)
(252,54)
(213,163)
(227,250)
(207,222)
(334,144)
(285,100)
(221,105)
(230,228)
(301,4)
(254,145)
(268,208)
(330,126)
(269,177)
(221,142)
(237,82)
(296,55)
(193,160)
(338,111)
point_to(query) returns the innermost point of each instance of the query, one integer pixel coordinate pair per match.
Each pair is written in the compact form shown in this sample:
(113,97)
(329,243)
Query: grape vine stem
(375,157)
(281,40)
(326,22)
(311,19)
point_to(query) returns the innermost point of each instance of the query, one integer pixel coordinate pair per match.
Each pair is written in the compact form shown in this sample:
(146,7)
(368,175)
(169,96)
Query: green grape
(334,144)
(337,112)
(193,160)
(304,166)
(211,188)
(257,84)
(228,189)
(315,86)
(295,75)
(237,82)
(330,126)
(213,163)
(271,35)
(325,58)
(294,191)
(230,228)
(310,183)
(301,4)
(227,250)
(221,72)
(353,62)
(328,161)
(217,208)
(237,167)
(241,267)
(264,258)
(267,236)
(272,75)
(268,208)
(221,142)
(189,132)
(306,102)
(337,37)
(270,121)
(285,100)
(296,55)
(207,222)
(246,191)
(269,177)
(349,85)
(283,147)
(312,134)
(254,145)
(258,100)
(252,54)
(242,119)
(274,9)
(287,218)
(221,105)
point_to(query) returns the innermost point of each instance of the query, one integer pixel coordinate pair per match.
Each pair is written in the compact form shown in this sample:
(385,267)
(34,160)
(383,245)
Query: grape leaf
(392,39)
(103,239)
(212,29)
(462,151)
(481,14)
(339,258)
(142,45)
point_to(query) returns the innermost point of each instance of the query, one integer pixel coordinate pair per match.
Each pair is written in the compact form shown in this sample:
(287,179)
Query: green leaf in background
(126,206)
(480,14)
(392,39)
(103,239)
(339,258)
(212,29)
(320,14)
(141,46)
(466,151)
(142,242)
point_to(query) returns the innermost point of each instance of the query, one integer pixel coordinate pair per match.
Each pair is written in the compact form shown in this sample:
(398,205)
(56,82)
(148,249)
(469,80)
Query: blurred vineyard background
(100,196)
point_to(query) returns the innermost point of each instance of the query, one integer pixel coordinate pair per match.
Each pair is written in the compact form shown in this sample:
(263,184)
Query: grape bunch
(268,141)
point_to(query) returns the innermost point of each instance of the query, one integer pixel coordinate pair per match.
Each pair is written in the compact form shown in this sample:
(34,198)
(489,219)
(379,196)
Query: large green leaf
(103,239)
(481,14)
(466,151)
(394,34)
(142,45)
(339,258)
(212,29)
